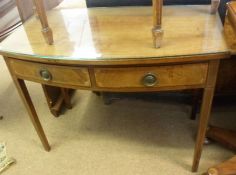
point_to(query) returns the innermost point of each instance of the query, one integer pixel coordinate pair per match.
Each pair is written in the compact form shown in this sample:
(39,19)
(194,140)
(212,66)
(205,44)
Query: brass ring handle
(45,74)
(149,80)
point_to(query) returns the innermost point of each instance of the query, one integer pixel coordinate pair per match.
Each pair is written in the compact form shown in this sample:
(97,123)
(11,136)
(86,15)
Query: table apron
(118,79)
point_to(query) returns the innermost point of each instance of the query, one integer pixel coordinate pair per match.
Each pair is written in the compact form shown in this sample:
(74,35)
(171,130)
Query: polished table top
(98,35)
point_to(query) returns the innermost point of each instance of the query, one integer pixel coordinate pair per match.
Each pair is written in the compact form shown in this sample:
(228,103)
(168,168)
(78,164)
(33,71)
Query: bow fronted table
(111,50)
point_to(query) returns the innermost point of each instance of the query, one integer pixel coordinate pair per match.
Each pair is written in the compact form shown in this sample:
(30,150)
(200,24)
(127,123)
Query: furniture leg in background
(57,98)
(227,138)
(214,6)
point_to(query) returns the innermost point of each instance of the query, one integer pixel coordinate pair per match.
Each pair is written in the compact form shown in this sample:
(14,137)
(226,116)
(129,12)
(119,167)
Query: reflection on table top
(118,33)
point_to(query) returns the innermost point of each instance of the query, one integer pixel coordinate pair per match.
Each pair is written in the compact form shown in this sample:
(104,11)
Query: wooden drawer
(55,75)
(138,77)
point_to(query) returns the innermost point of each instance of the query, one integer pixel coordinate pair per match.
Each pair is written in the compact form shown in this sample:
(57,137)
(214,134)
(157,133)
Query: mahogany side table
(106,54)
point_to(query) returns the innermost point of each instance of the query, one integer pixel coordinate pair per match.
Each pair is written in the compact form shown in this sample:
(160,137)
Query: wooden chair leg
(46,30)
(66,97)
(214,6)
(157,31)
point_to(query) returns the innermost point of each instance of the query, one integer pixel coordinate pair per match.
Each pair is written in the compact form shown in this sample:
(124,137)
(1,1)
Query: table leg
(205,111)
(22,89)
(25,97)
(67,98)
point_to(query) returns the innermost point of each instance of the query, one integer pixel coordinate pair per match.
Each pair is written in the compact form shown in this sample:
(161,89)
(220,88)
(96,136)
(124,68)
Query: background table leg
(66,97)
(58,98)
(196,93)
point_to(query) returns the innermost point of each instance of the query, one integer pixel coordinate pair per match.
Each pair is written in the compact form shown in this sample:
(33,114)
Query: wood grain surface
(92,36)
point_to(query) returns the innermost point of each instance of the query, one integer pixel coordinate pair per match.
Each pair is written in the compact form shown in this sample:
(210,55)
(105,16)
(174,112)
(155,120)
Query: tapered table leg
(46,30)
(205,112)
(24,94)
(157,31)
(22,89)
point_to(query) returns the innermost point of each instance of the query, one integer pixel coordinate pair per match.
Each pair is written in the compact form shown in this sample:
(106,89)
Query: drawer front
(51,74)
(161,76)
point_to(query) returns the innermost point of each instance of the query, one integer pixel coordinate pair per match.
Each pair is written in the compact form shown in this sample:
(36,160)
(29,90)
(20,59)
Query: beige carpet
(129,137)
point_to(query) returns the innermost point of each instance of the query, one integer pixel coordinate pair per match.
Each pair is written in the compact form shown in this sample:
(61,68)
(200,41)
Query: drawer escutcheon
(149,80)
(45,74)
